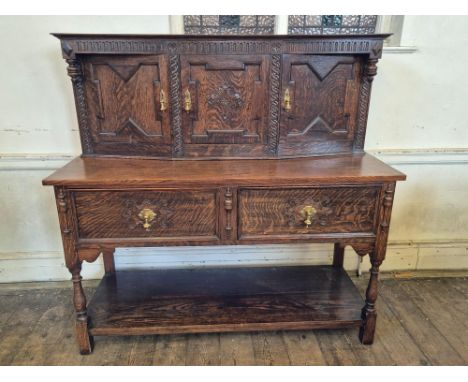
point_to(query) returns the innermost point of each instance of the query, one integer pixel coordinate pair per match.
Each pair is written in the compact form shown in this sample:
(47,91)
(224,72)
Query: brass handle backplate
(308,213)
(147,216)
(287,100)
(162,100)
(187,101)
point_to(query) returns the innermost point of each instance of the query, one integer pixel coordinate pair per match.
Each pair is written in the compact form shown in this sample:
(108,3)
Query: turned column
(369,313)
(73,264)
(81,322)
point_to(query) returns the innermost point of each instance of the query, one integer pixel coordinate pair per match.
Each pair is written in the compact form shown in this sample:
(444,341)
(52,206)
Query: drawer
(330,210)
(146,214)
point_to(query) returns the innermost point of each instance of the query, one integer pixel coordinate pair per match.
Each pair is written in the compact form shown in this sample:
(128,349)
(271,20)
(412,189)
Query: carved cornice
(371,45)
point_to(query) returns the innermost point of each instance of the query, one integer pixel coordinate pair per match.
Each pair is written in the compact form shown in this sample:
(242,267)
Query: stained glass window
(332,24)
(229,24)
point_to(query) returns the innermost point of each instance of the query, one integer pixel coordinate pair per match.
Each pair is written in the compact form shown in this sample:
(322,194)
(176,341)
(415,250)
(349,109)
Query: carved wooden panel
(337,210)
(323,92)
(131,94)
(116,214)
(128,100)
(229,103)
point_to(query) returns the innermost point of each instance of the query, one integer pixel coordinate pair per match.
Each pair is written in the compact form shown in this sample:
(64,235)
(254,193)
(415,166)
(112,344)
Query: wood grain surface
(278,211)
(324,100)
(212,300)
(115,214)
(106,172)
(36,321)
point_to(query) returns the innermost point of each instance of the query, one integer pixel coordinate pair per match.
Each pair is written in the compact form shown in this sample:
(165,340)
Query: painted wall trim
(422,156)
(399,49)
(13,162)
(49,266)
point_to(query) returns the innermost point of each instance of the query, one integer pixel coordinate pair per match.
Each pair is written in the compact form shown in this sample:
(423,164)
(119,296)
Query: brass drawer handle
(287,100)
(162,100)
(187,101)
(147,215)
(308,213)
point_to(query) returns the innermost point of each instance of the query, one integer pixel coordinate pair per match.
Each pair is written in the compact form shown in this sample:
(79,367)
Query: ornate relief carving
(65,213)
(76,74)
(62,201)
(62,204)
(370,70)
(70,47)
(227,102)
(174,69)
(273,127)
(385,214)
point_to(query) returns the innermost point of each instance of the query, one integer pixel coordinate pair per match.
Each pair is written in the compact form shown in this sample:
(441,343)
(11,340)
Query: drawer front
(146,214)
(334,210)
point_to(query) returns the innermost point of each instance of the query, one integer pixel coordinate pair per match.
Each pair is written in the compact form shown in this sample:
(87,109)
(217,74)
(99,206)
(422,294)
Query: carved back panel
(128,104)
(221,96)
(322,113)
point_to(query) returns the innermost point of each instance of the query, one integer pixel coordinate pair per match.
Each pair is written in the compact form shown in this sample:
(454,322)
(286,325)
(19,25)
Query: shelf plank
(228,299)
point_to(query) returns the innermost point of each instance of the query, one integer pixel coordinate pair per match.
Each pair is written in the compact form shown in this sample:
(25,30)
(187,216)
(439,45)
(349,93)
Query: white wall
(418,123)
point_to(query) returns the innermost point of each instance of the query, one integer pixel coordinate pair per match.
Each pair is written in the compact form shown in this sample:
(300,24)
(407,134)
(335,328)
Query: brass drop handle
(287,100)
(187,101)
(147,215)
(162,100)
(308,213)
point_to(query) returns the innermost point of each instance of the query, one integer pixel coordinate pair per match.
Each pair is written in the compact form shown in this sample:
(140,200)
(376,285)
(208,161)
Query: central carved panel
(228,97)
(227,101)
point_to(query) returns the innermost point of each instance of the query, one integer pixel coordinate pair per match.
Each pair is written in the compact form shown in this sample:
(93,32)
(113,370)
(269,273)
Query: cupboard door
(225,104)
(128,105)
(320,115)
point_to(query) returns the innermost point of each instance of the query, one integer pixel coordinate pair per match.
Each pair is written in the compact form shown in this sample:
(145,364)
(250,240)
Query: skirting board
(30,266)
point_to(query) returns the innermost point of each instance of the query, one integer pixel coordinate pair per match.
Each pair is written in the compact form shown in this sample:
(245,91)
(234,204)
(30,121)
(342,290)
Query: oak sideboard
(222,140)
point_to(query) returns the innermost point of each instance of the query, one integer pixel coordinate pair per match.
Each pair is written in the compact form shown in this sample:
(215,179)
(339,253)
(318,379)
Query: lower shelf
(223,300)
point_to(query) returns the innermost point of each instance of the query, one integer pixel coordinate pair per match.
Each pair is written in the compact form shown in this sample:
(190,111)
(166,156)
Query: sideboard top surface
(122,172)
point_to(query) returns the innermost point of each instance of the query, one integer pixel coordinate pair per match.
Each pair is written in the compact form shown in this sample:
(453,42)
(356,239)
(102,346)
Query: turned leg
(338,255)
(377,256)
(369,313)
(109,264)
(83,338)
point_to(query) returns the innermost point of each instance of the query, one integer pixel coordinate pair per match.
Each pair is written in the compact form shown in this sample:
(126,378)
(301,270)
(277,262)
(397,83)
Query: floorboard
(421,321)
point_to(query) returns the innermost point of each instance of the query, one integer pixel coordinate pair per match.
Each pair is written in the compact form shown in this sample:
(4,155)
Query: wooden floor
(422,321)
